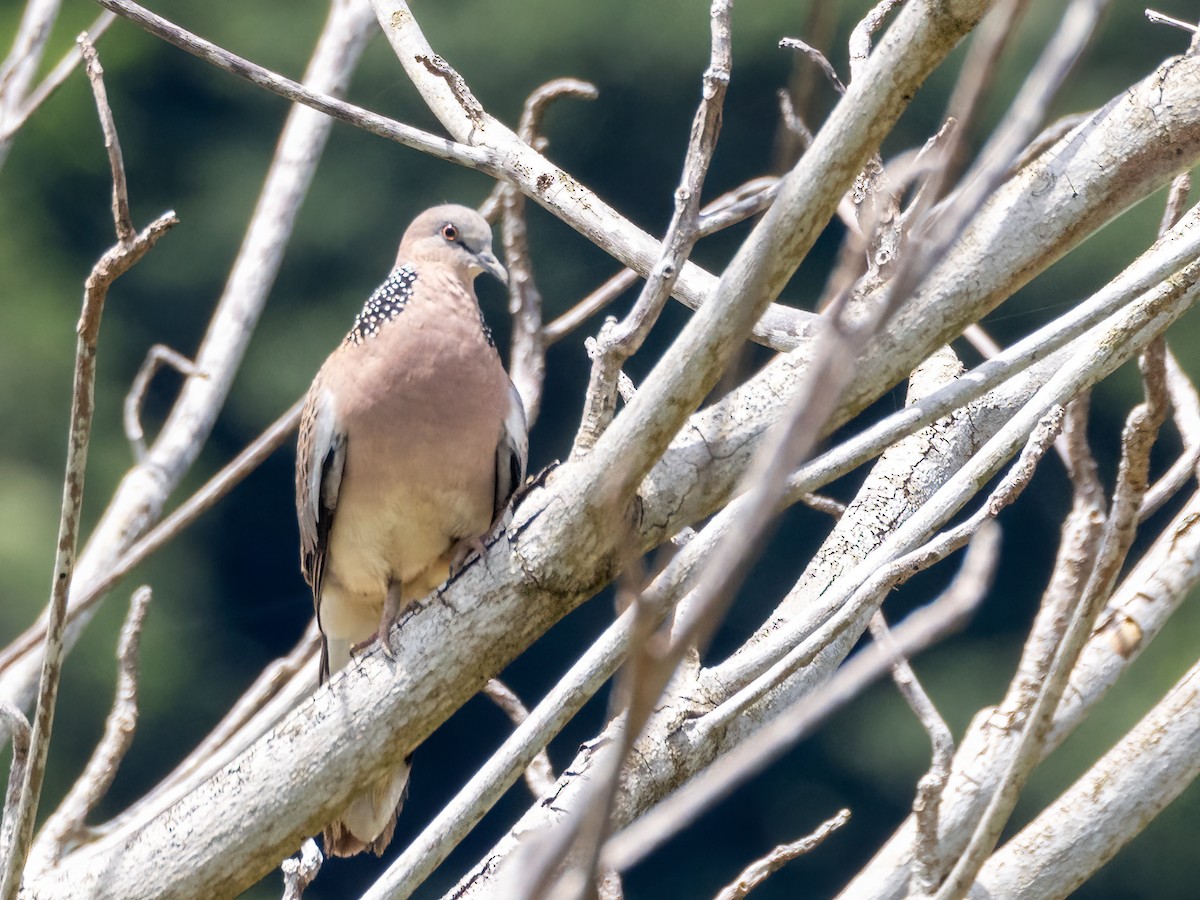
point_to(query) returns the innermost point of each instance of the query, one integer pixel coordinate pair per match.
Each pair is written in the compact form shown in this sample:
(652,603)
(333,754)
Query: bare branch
(928,800)
(729,209)
(1159,262)
(1077,455)
(755,277)
(1140,433)
(119,259)
(798,132)
(762,869)
(277,691)
(995,160)
(558,707)
(539,774)
(16,726)
(1109,805)
(487,785)
(619,343)
(19,67)
(158,355)
(527,366)
(528,558)
(864,596)
(816,56)
(1096,353)
(1163,19)
(1185,402)
(1150,594)
(321,101)
(860,38)
(299,872)
(1178,386)
(51,83)
(590,305)
(120,199)
(1176,204)
(947,613)
(68,823)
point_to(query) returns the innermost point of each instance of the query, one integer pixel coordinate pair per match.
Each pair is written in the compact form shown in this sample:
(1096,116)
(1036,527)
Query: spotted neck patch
(487,332)
(388,301)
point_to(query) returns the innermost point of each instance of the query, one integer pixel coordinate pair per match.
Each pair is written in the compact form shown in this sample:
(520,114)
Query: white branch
(762,869)
(1106,808)
(68,822)
(1152,591)
(1118,156)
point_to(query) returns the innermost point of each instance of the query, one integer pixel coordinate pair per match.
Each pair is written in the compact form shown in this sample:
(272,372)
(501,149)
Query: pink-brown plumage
(411,443)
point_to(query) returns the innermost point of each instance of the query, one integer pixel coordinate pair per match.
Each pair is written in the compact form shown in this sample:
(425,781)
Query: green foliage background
(228,597)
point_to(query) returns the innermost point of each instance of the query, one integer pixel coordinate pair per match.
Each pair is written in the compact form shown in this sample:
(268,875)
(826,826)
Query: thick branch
(1106,808)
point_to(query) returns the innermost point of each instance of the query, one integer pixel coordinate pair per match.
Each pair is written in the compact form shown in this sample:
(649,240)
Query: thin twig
(789,43)
(120,192)
(119,259)
(435,146)
(620,342)
(605,294)
(1076,452)
(1176,204)
(158,355)
(793,136)
(799,134)
(16,726)
(860,37)
(919,630)
(19,67)
(527,366)
(821,503)
(729,209)
(1140,433)
(68,823)
(983,342)
(795,125)
(867,594)
(539,774)
(927,803)
(762,869)
(1185,401)
(53,80)
(1163,19)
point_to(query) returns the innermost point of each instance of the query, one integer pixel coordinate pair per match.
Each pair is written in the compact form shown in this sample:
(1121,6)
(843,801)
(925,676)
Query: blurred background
(228,597)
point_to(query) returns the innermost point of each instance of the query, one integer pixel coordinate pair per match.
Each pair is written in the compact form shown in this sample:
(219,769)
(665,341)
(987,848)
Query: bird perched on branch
(412,442)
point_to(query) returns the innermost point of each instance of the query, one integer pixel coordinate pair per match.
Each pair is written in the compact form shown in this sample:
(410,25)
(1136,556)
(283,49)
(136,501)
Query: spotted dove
(412,441)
